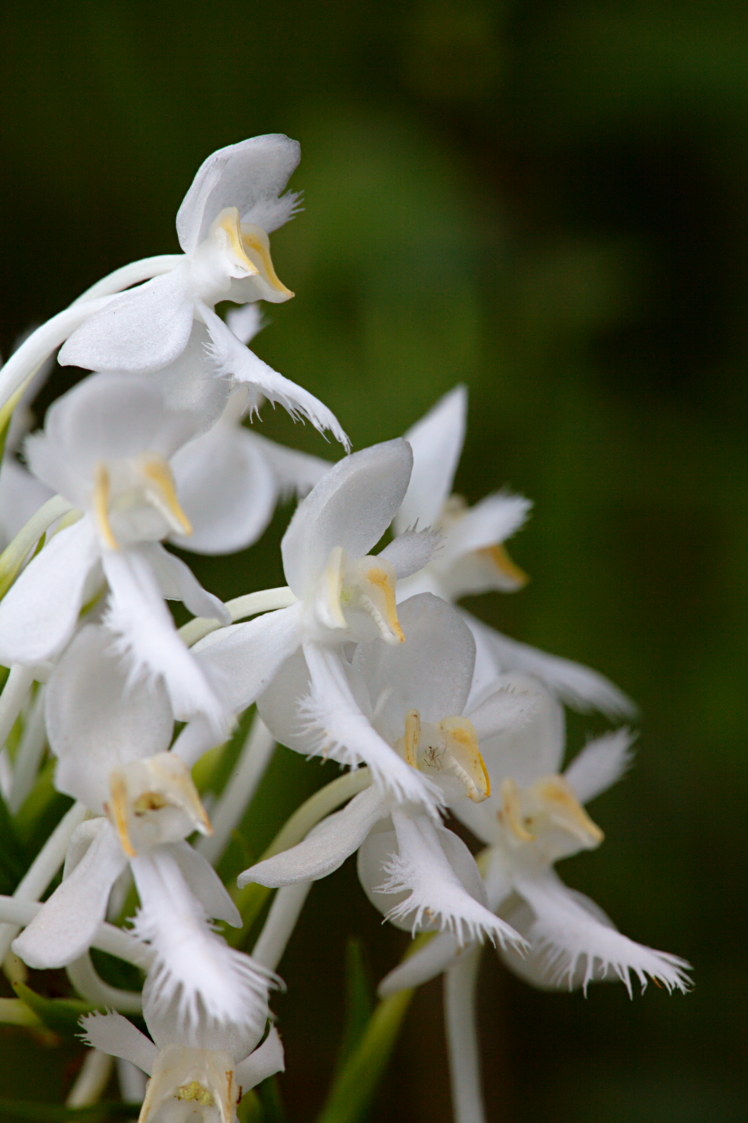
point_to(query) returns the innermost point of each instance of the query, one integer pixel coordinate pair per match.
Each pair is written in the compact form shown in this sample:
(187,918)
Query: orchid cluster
(452,793)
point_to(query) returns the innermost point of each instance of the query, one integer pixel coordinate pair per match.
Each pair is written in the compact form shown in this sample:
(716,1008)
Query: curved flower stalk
(345,595)
(106,447)
(534,817)
(195,1074)
(416,697)
(111,742)
(472,558)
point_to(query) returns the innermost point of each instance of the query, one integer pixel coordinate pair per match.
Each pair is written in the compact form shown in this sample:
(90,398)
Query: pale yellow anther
(118,812)
(142,789)
(256,241)
(195,1092)
(449,747)
(511,812)
(499,557)
(384,584)
(412,737)
(228,221)
(566,811)
(468,764)
(163,493)
(101,506)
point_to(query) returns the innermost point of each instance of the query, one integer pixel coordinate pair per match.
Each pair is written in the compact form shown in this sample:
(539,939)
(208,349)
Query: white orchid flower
(110,739)
(197,1073)
(344,595)
(223,224)
(473,558)
(415,870)
(534,817)
(106,447)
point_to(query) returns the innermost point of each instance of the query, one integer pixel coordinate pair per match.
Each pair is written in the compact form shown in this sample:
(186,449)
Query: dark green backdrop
(547,202)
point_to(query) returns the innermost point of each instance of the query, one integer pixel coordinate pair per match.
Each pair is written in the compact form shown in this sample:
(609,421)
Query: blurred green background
(548,203)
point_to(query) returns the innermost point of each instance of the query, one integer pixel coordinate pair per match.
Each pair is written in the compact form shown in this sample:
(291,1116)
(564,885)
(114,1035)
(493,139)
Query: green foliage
(60,1015)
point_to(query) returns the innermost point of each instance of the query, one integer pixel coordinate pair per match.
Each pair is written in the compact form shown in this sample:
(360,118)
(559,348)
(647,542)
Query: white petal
(600,764)
(533,747)
(411,551)
(239,363)
(96,721)
(194,967)
(205,884)
(436,441)
(431,672)
(573,943)
(265,1061)
(577,685)
(113,1034)
(250,176)
(489,522)
(351,506)
(145,632)
(20,497)
(66,924)
(325,848)
(226,488)
(434,879)
(339,730)
(143,329)
(106,417)
(39,612)
(177,582)
(246,657)
(440,952)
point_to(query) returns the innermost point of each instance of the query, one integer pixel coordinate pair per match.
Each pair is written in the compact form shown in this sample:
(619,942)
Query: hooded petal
(351,506)
(106,417)
(66,924)
(143,329)
(437,441)
(97,721)
(325,848)
(227,490)
(532,747)
(250,176)
(431,672)
(573,943)
(39,612)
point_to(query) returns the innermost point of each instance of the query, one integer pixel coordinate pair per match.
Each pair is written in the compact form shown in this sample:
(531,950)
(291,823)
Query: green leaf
(58,1014)
(360,1000)
(355,1085)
